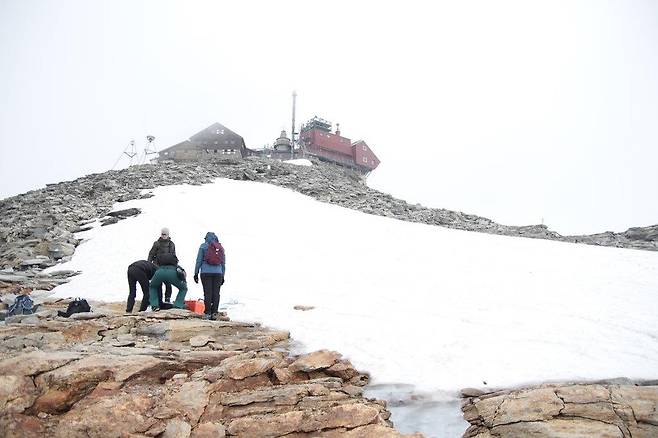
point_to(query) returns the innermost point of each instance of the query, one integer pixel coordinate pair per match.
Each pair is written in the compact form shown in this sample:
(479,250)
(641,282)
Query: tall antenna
(292,131)
(149,149)
(130,151)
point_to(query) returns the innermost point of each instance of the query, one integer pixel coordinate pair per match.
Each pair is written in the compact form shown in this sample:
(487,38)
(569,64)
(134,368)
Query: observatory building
(216,141)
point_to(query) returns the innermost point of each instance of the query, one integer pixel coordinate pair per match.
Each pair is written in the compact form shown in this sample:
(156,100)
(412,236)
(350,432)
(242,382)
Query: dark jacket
(201,264)
(161,246)
(145,266)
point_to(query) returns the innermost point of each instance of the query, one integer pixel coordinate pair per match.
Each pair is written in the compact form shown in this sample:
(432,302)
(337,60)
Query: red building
(317,140)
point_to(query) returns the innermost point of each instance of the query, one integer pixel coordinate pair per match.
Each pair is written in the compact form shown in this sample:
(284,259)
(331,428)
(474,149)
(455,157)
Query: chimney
(337,128)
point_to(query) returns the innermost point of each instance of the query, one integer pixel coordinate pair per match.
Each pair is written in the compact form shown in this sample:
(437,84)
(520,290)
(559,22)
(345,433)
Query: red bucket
(196,306)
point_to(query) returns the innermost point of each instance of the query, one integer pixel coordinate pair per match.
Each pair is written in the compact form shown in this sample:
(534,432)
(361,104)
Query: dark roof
(213,137)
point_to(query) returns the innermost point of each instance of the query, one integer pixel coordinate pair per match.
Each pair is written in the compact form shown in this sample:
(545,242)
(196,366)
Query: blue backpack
(23,305)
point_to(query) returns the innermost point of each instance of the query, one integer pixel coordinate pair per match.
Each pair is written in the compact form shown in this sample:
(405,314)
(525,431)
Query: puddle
(435,414)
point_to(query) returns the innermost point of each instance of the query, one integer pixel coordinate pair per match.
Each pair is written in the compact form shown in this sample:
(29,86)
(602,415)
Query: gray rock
(82,316)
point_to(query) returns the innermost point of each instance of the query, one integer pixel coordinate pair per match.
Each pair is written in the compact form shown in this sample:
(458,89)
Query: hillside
(42,222)
(433,308)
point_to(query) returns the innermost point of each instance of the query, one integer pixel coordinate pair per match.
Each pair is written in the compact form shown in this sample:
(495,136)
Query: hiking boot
(206,316)
(155,309)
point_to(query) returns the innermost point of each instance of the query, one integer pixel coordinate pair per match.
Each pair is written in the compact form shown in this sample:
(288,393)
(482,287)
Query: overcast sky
(518,111)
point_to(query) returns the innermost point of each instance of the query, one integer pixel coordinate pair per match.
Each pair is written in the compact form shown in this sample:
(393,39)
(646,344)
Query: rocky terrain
(170,374)
(621,410)
(37,228)
(173,375)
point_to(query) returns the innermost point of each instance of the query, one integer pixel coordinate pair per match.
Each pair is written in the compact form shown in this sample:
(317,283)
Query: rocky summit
(171,374)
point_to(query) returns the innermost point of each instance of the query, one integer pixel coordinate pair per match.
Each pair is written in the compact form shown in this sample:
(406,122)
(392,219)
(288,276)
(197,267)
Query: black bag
(182,275)
(167,260)
(78,305)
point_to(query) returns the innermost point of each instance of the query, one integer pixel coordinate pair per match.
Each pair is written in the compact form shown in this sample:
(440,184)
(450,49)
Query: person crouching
(140,272)
(167,274)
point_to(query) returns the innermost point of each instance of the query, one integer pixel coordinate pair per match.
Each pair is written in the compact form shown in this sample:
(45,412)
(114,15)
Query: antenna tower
(130,151)
(292,131)
(149,149)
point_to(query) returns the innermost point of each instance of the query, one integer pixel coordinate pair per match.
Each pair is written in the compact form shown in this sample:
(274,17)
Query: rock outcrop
(567,411)
(171,374)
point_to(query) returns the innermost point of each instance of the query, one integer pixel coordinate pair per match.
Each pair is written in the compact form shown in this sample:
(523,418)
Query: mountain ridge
(38,227)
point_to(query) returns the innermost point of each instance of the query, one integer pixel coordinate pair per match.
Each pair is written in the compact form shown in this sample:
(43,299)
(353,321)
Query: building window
(365,148)
(219,131)
(365,160)
(215,150)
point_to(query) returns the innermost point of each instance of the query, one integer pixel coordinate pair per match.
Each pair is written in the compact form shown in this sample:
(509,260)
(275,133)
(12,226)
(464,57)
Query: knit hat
(165,230)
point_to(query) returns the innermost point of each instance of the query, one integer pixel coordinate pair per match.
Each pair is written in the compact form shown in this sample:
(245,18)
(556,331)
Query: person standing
(140,272)
(164,245)
(211,263)
(167,274)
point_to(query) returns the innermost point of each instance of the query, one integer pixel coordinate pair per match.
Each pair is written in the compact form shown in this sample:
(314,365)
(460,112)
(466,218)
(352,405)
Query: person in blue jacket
(211,263)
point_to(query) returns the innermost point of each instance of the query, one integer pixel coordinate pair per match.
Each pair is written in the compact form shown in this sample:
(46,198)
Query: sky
(521,111)
(425,310)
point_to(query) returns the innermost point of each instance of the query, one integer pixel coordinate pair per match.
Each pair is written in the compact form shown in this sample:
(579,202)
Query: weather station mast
(292,131)
(149,149)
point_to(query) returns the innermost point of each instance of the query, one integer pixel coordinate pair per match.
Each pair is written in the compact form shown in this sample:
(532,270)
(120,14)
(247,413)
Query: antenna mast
(292,131)
(131,152)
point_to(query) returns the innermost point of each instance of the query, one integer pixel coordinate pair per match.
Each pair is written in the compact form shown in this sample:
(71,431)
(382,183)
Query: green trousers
(167,275)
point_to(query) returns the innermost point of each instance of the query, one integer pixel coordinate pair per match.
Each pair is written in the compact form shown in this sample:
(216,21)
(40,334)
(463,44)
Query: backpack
(214,254)
(23,305)
(182,275)
(78,305)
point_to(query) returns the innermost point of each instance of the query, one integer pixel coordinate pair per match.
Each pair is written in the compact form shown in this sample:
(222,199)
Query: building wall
(327,140)
(364,156)
(330,155)
(200,154)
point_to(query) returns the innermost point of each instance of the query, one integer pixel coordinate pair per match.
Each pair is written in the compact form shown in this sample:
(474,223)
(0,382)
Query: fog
(522,112)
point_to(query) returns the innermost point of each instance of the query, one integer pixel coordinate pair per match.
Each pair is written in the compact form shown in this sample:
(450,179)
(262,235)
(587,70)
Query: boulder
(209,430)
(17,393)
(177,429)
(315,361)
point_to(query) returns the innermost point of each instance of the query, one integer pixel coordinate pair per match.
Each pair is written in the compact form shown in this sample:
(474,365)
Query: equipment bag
(78,305)
(23,305)
(214,254)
